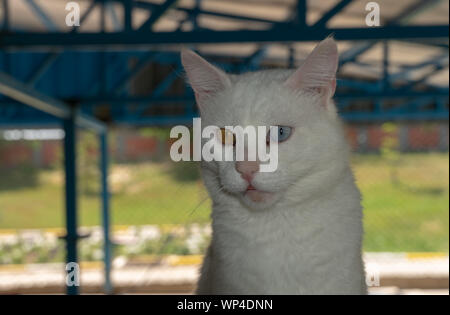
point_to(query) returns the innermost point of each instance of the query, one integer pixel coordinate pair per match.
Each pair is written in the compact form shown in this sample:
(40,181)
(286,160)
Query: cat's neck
(335,198)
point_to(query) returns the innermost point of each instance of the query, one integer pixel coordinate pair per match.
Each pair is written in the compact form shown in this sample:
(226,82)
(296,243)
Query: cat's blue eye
(283,133)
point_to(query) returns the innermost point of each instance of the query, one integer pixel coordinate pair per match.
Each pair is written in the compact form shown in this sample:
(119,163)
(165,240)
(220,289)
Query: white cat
(297,230)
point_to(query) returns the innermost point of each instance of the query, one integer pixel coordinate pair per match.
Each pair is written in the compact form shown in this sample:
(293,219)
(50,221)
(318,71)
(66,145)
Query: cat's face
(298,102)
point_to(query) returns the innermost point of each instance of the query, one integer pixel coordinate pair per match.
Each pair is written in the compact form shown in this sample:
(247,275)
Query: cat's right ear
(204,78)
(318,71)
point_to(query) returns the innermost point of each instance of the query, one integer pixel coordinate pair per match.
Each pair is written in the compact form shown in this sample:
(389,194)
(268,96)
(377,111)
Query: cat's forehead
(261,78)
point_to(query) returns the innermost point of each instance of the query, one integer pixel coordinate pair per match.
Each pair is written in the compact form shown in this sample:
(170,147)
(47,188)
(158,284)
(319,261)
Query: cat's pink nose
(247,169)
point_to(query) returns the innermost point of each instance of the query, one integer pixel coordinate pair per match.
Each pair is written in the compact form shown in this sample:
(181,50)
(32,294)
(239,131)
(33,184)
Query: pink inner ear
(205,79)
(326,92)
(333,86)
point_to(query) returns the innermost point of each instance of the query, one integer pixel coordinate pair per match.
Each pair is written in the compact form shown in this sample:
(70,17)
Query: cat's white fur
(305,236)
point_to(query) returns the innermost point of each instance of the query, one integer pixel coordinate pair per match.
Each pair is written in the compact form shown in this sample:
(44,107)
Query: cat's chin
(258,200)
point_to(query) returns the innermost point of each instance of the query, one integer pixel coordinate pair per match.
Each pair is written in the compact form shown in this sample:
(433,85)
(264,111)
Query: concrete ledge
(415,282)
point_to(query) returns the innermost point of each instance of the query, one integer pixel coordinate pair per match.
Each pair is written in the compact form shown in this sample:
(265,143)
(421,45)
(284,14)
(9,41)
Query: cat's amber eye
(226,136)
(279,133)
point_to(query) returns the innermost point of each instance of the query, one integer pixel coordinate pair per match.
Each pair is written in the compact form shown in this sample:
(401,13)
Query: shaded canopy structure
(90,76)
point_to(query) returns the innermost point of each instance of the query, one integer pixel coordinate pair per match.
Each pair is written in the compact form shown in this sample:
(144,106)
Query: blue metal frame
(26,95)
(331,13)
(107,246)
(117,96)
(157,13)
(71,119)
(45,19)
(70,167)
(276,34)
(75,103)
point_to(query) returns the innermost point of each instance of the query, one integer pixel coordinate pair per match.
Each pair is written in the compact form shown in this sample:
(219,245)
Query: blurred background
(86,111)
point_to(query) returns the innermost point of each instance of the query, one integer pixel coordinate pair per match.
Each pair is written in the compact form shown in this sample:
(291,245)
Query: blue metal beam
(413,105)
(137,68)
(162,87)
(361,95)
(390,94)
(156,14)
(22,93)
(423,78)
(45,19)
(113,15)
(354,116)
(5,7)
(167,82)
(70,167)
(85,15)
(384,82)
(128,15)
(440,113)
(404,74)
(300,17)
(402,18)
(43,67)
(29,124)
(53,55)
(107,250)
(332,13)
(253,61)
(358,85)
(189,11)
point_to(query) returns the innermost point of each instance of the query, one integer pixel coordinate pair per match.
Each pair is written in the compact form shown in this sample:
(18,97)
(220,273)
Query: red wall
(136,147)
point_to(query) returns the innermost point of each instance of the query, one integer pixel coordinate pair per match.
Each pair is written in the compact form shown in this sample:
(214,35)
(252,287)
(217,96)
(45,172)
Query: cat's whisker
(198,205)
(276,235)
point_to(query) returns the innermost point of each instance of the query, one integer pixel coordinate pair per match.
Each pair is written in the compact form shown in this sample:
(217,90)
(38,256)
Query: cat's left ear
(318,71)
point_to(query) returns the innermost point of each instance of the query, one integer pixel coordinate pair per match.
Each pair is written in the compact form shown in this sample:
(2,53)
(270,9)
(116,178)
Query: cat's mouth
(257,195)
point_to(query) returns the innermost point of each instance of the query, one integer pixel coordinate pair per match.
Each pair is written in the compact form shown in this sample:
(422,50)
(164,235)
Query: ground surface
(405,198)
(394,274)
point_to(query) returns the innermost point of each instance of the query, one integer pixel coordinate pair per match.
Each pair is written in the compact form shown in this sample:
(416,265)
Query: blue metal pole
(283,34)
(128,15)
(157,12)
(194,14)
(40,70)
(42,15)
(71,194)
(385,79)
(104,161)
(112,13)
(332,13)
(5,25)
(301,14)
(291,58)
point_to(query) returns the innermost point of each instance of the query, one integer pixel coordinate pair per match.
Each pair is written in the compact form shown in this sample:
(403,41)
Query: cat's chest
(277,246)
(274,235)
(278,263)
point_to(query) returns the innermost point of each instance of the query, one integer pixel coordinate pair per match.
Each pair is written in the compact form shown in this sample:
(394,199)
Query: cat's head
(311,146)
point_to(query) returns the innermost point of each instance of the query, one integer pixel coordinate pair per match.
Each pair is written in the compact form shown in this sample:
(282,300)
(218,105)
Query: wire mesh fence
(161,210)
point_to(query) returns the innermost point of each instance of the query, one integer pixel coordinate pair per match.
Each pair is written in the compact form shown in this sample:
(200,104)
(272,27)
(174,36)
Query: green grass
(407,211)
